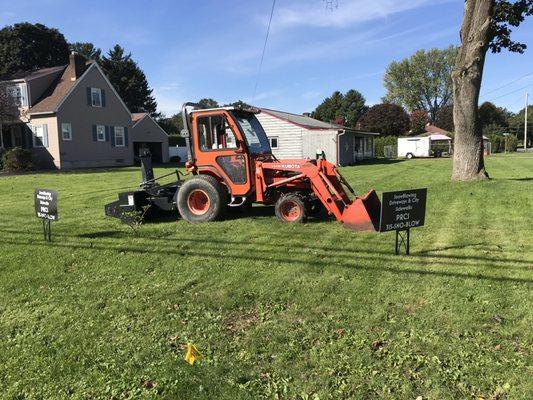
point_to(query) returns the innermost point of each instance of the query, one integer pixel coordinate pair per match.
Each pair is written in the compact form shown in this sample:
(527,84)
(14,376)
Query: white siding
(324,140)
(289,136)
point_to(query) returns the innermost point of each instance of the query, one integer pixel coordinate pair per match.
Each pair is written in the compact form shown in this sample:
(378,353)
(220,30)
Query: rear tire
(201,199)
(409,156)
(291,208)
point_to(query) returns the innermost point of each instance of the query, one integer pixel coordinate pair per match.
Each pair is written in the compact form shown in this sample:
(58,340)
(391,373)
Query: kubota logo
(290,166)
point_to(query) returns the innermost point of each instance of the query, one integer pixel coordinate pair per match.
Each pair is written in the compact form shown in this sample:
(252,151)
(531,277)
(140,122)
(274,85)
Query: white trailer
(421,146)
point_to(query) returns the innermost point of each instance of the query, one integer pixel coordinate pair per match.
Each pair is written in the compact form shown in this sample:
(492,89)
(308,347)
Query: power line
(514,91)
(264,49)
(507,84)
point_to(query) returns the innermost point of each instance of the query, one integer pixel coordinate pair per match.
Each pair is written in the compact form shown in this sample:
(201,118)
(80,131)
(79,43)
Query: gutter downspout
(339,134)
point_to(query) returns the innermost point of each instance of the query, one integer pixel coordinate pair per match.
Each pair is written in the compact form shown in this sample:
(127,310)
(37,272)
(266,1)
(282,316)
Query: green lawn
(279,311)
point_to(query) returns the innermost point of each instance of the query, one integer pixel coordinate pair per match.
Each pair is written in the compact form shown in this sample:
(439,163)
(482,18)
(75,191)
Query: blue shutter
(45,135)
(126,136)
(107,129)
(29,136)
(89,101)
(112,136)
(95,137)
(103,98)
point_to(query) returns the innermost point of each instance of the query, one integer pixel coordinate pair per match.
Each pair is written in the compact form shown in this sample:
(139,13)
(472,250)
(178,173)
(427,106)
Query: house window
(119,136)
(66,131)
(100,133)
(273,142)
(18,94)
(40,136)
(96,97)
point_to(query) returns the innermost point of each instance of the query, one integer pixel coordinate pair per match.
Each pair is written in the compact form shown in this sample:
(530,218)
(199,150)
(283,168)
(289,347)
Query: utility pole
(525,125)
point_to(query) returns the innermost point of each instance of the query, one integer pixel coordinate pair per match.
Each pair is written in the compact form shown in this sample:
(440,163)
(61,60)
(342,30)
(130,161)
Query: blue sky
(194,49)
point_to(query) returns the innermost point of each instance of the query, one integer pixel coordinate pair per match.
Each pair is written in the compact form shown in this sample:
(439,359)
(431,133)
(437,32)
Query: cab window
(214,133)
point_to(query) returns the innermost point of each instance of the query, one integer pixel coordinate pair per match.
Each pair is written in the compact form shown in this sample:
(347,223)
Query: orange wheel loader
(232,165)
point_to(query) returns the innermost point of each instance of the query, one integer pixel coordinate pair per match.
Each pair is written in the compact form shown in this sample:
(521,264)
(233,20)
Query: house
(146,134)
(70,117)
(300,136)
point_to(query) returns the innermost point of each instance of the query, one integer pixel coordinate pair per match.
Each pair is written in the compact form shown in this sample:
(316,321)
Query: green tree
(208,103)
(386,119)
(26,46)
(486,25)
(490,114)
(422,81)
(8,108)
(129,81)
(348,107)
(87,50)
(445,118)
(516,124)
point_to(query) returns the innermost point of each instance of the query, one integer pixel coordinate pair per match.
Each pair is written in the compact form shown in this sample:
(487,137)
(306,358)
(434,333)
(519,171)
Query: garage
(146,134)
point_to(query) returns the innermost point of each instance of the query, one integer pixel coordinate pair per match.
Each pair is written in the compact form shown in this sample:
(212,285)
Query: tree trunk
(468,162)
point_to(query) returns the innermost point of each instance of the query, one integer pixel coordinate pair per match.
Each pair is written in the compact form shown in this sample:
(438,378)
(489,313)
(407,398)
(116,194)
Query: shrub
(381,142)
(386,119)
(497,143)
(17,159)
(175,140)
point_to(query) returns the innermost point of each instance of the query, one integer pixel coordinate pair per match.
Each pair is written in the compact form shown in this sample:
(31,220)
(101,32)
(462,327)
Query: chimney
(306,114)
(76,65)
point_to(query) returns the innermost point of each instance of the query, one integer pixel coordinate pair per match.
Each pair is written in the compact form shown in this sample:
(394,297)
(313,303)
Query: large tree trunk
(468,162)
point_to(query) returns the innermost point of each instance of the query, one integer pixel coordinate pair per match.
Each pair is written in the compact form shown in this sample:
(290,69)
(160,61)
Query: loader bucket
(363,213)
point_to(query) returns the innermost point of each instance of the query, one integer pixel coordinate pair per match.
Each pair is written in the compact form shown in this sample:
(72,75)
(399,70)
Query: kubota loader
(231,164)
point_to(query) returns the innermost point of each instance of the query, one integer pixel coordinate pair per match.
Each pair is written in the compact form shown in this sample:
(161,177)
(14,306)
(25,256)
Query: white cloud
(313,14)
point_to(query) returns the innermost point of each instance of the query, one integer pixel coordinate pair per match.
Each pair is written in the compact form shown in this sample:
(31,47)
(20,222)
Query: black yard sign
(46,209)
(401,211)
(46,204)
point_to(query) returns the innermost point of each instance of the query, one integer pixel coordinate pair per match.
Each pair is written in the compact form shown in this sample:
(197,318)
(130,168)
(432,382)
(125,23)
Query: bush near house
(381,142)
(498,143)
(17,159)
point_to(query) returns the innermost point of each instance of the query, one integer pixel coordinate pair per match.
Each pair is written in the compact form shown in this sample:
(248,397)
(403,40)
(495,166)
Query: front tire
(201,199)
(409,156)
(291,208)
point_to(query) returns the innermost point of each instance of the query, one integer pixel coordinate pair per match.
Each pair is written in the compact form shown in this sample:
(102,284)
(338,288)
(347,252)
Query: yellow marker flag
(192,354)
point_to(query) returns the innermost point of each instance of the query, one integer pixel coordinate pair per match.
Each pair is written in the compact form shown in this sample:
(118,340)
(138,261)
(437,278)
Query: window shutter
(29,136)
(95,138)
(112,136)
(89,102)
(107,129)
(125,136)
(103,97)
(45,135)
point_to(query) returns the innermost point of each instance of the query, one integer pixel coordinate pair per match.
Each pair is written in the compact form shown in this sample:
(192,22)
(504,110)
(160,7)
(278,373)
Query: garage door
(155,148)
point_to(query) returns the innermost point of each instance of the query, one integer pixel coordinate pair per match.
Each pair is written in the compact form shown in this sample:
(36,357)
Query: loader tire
(201,199)
(292,208)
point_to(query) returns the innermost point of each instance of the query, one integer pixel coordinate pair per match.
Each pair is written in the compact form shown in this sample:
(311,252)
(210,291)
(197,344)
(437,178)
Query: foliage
(505,15)
(26,46)
(348,107)
(238,104)
(129,81)
(8,108)
(494,129)
(87,50)
(516,122)
(422,81)
(171,125)
(278,310)
(17,159)
(445,118)
(489,114)
(176,140)
(498,142)
(386,119)
(418,121)
(382,141)
(208,103)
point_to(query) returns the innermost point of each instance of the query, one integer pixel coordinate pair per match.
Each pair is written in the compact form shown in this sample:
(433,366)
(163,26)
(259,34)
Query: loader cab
(225,143)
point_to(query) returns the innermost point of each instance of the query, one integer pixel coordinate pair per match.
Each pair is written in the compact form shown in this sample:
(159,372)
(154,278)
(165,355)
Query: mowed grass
(279,311)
